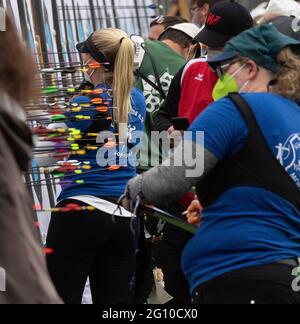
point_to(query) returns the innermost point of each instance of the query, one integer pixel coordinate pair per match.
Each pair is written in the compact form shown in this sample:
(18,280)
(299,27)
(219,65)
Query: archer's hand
(194,213)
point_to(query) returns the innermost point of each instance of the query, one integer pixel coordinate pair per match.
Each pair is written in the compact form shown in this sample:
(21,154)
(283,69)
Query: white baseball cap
(189,29)
(260,10)
(285,7)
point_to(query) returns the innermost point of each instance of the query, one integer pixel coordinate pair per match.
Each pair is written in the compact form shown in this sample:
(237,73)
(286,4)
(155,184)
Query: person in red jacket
(197,83)
(191,90)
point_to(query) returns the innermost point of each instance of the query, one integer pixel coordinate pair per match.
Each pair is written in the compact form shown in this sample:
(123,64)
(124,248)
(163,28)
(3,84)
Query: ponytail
(123,79)
(119,49)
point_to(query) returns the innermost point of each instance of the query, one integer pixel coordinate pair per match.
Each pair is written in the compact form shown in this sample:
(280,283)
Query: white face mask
(88,77)
(194,21)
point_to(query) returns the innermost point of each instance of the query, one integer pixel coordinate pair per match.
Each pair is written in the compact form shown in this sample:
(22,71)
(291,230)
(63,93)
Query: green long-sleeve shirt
(168,63)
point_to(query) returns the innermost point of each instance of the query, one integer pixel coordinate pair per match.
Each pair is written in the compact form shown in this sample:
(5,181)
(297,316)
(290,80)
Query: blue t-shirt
(102,182)
(247,226)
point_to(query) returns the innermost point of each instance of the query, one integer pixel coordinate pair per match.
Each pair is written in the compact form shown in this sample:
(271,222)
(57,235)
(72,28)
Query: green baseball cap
(262,44)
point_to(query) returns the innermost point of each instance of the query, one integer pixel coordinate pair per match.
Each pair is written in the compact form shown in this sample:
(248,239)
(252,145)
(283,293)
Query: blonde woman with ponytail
(99,244)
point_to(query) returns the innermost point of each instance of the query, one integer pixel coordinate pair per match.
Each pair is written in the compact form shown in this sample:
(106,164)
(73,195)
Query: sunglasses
(158,20)
(221,70)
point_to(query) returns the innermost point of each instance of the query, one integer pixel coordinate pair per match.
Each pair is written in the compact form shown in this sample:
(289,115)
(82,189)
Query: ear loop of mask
(203,49)
(196,51)
(192,49)
(244,86)
(248,81)
(88,77)
(236,73)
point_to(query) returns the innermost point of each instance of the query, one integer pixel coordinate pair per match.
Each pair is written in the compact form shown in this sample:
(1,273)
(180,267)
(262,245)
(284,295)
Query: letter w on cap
(213,20)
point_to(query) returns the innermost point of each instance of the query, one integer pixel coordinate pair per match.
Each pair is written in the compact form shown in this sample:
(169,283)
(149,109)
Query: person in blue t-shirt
(97,241)
(248,178)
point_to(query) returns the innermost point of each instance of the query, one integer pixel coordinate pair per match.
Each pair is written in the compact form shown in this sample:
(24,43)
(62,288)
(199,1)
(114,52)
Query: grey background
(250,3)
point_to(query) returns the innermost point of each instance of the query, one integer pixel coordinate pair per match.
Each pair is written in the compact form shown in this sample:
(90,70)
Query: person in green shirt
(161,61)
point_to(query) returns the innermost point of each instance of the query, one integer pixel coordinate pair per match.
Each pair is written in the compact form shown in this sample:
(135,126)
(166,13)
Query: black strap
(139,74)
(96,54)
(158,87)
(254,165)
(265,167)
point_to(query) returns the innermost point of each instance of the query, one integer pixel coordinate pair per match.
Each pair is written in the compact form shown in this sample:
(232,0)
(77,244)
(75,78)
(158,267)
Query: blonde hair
(288,76)
(116,45)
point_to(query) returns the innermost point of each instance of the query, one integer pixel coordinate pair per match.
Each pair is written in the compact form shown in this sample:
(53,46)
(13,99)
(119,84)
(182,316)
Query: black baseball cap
(88,47)
(225,20)
(288,25)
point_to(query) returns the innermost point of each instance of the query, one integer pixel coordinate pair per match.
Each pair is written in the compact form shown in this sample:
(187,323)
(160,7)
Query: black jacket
(163,119)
